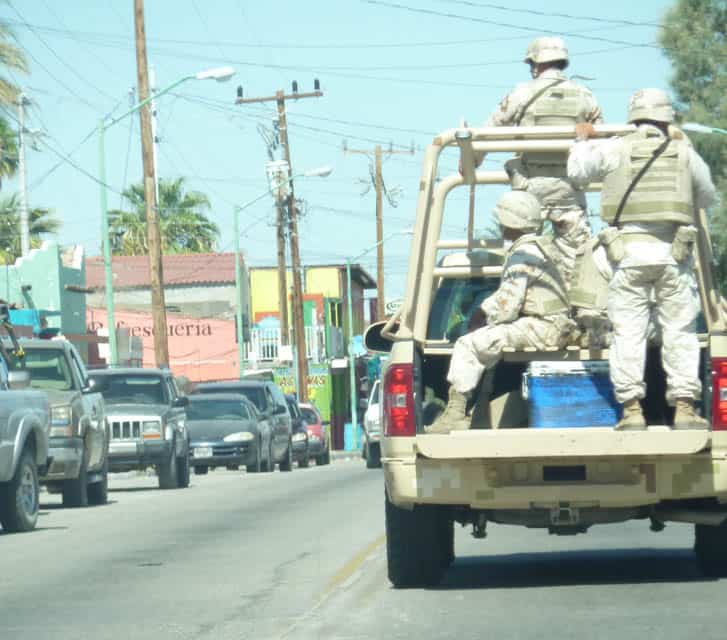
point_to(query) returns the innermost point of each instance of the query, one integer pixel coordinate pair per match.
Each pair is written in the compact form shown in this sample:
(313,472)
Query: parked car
(225,430)
(318,444)
(79,434)
(300,434)
(24,426)
(147,419)
(272,407)
(372,429)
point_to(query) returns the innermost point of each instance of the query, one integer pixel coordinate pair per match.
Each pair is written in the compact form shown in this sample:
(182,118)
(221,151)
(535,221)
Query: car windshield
(310,416)
(253,394)
(455,304)
(48,368)
(199,409)
(134,389)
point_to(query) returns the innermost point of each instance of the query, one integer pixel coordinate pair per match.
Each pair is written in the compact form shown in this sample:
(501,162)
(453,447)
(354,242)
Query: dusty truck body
(563,480)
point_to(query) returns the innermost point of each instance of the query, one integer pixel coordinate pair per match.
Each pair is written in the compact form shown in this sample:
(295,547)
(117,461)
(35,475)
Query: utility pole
(156,276)
(22,175)
(154,130)
(297,307)
(379,187)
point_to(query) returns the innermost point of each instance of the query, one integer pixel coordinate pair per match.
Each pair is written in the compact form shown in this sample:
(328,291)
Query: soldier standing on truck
(652,182)
(529,309)
(549,99)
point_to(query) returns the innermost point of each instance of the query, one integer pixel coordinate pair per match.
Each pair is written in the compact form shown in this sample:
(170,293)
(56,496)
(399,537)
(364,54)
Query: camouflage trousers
(632,293)
(482,349)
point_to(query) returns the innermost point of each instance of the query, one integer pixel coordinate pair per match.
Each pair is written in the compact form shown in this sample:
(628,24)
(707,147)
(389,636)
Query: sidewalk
(346,455)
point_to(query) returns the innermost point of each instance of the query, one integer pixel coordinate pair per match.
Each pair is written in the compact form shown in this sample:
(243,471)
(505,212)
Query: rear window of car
(202,409)
(134,389)
(255,395)
(48,368)
(310,416)
(455,303)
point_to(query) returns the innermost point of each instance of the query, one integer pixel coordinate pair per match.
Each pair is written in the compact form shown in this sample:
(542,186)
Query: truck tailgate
(561,443)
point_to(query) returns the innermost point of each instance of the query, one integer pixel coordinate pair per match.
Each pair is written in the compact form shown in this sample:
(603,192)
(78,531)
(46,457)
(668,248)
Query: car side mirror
(280,409)
(181,401)
(373,339)
(18,380)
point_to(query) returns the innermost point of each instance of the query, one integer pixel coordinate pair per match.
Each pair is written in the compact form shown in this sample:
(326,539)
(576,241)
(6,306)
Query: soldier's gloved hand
(477,320)
(585,130)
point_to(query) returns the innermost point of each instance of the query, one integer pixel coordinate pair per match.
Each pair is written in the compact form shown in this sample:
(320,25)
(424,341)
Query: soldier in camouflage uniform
(652,182)
(549,99)
(529,309)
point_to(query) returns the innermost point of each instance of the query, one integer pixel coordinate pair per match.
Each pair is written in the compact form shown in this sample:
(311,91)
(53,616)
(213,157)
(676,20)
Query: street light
(220,74)
(695,127)
(349,305)
(319,172)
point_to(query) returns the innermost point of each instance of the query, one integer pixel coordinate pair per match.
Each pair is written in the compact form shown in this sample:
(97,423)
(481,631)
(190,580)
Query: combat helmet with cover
(519,210)
(547,49)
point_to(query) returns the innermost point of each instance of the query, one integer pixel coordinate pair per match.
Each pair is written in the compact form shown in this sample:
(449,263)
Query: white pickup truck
(24,425)
(506,468)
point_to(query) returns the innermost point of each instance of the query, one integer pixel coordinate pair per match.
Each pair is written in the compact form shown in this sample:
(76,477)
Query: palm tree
(42,222)
(11,59)
(8,150)
(184,225)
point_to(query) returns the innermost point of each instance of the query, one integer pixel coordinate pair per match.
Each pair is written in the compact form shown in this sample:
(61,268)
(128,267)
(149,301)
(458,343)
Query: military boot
(454,417)
(686,417)
(633,418)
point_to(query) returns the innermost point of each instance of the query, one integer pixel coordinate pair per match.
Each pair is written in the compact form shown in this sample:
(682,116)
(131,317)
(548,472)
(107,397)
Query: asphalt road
(301,555)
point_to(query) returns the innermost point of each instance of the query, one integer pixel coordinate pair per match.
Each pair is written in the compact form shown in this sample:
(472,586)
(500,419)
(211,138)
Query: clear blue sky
(390,75)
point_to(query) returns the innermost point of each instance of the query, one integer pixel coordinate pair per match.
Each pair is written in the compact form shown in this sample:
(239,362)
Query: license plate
(202,452)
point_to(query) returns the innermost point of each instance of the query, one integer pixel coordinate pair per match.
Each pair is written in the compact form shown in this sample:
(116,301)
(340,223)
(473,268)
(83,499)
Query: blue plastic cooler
(570,394)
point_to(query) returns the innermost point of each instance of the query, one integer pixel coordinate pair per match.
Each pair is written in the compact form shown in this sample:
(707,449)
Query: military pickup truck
(147,422)
(504,470)
(79,438)
(24,424)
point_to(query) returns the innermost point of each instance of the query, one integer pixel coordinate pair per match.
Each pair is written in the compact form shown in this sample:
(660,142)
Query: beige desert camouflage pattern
(529,309)
(648,272)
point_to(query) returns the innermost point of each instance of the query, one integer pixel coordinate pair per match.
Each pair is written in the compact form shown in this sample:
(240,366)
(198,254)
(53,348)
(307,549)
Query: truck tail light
(719,394)
(399,401)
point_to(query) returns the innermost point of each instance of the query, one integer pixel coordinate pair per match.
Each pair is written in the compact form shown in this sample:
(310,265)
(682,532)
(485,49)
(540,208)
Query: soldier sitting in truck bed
(529,309)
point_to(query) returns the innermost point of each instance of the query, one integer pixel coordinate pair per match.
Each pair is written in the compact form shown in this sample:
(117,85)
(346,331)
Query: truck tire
(304,462)
(710,546)
(414,546)
(373,456)
(167,470)
(183,471)
(75,492)
(323,459)
(19,498)
(269,464)
(98,492)
(447,542)
(287,463)
(201,470)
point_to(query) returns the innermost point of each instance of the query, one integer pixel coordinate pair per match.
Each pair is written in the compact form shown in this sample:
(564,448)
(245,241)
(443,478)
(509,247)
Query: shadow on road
(618,566)
(56,506)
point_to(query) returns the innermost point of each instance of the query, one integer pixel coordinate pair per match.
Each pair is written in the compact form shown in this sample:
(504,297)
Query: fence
(264,345)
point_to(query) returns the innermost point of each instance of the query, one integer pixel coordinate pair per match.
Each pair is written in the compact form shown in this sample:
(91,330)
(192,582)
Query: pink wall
(199,348)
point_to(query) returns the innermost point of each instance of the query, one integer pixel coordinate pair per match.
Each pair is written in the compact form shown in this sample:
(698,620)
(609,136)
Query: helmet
(546,49)
(519,210)
(651,104)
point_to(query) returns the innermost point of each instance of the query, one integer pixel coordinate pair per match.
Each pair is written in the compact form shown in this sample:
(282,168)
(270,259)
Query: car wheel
(201,470)
(183,471)
(304,462)
(270,466)
(75,492)
(414,545)
(98,492)
(287,462)
(167,470)
(19,498)
(324,458)
(233,467)
(373,456)
(709,546)
(256,465)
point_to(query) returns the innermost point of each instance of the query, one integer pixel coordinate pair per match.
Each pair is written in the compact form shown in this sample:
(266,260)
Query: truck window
(135,389)
(48,369)
(455,302)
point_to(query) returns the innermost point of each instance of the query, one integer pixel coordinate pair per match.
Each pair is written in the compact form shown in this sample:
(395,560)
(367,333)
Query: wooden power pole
(298,320)
(156,275)
(379,186)
(282,273)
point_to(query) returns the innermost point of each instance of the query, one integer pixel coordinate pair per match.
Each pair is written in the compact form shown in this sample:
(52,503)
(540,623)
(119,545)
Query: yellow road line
(354,564)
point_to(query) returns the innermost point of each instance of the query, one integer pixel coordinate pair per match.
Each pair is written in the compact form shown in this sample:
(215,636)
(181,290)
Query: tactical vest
(589,286)
(560,105)
(546,294)
(664,192)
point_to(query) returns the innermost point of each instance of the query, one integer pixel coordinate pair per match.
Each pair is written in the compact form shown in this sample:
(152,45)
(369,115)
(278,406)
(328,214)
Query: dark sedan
(300,434)
(226,431)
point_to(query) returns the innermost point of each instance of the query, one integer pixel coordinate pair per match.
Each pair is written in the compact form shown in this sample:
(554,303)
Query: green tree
(42,223)
(185,227)
(8,150)
(694,39)
(11,59)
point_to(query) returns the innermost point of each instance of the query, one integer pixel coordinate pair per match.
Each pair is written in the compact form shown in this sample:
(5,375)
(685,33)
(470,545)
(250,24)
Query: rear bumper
(300,450)
(125,456)
(66,454)
(222,454)
(316,447)
(500,479)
